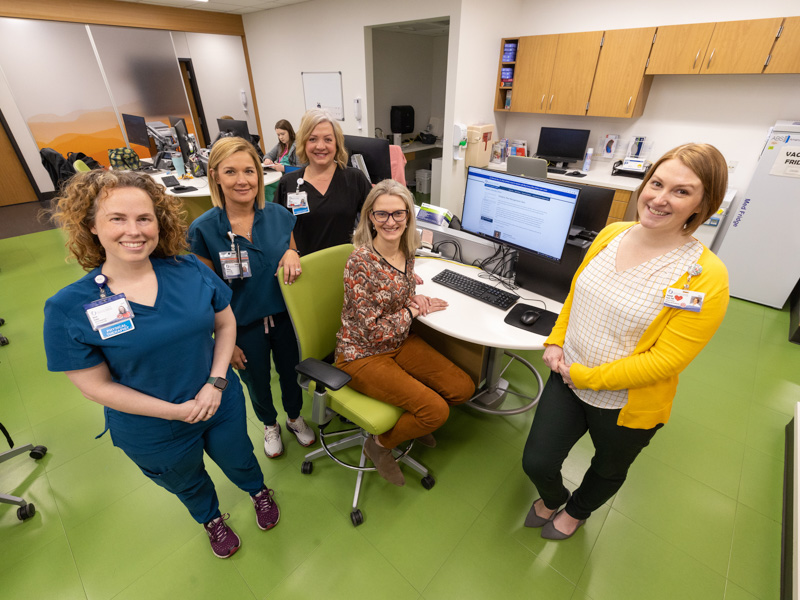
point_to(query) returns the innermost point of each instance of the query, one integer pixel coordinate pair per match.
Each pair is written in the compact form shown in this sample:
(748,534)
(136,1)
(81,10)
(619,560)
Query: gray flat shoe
(549,531)
(534,520)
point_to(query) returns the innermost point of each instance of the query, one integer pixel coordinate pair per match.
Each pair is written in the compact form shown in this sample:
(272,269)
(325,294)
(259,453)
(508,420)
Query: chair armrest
(323,373)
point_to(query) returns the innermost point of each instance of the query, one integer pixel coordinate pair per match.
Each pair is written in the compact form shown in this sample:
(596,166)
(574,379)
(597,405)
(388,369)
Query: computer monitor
(174,120)
(234,127)
(375,153)
(531,215)
(136,129)
(562,145)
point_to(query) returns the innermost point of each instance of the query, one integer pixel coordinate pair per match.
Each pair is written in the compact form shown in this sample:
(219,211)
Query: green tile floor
(698,518)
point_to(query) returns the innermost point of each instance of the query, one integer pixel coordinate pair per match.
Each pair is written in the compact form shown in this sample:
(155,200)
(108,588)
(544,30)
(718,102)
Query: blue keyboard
(476,289)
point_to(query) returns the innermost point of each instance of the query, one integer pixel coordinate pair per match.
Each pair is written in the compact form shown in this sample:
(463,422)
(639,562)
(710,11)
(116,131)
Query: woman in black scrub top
(331,194)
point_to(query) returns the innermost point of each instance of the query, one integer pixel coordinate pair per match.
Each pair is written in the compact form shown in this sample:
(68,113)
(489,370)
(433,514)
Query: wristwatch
(218,382)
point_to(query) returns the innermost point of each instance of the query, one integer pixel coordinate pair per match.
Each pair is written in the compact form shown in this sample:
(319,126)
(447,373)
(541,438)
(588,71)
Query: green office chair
(315,306)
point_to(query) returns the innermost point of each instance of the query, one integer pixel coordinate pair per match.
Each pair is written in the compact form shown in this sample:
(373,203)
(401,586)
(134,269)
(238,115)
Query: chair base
(357,437)
(25,510)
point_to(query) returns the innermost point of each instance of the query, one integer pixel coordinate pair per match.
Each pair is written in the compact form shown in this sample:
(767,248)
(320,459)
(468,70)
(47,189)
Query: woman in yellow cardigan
(644,302)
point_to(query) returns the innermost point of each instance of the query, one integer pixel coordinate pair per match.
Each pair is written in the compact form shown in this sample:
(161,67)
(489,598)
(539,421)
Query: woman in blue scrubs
(168,391)
(245,241)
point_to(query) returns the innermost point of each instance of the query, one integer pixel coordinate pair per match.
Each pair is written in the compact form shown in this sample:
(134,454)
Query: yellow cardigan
(667,346)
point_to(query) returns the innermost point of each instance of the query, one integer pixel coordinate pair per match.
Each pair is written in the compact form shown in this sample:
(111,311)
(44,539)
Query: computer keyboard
(476,289)
(556,170)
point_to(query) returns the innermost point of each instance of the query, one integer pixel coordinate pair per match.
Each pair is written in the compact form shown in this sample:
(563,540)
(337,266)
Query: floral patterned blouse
(375,315)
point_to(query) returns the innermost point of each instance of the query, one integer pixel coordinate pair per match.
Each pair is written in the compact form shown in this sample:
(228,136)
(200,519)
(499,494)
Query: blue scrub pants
(257,346)
(178,466)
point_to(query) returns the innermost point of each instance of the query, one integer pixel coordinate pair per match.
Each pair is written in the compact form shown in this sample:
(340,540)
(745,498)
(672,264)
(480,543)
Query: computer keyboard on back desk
(476,289)
(556,170)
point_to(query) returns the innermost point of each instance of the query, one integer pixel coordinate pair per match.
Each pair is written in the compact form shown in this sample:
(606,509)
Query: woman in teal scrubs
(168,391)
(245,240)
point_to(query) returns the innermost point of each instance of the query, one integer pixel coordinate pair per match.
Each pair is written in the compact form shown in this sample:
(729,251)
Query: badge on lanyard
(110,315)
(235,263)
(686,299)
(298,201)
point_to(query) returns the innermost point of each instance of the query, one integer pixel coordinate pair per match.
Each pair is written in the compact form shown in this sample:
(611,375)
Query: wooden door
(620,81)
(16,188)
(786,53)
(679,49)
(536,55)
(573,72)
(741,46)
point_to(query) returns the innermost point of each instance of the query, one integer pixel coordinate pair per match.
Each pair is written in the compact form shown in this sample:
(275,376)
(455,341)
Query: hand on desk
(424,305)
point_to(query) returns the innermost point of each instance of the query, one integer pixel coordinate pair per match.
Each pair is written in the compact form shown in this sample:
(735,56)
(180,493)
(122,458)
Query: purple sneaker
(224,542)
(267,513)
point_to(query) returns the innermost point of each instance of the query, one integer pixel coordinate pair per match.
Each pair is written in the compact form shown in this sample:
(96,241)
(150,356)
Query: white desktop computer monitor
(531,215)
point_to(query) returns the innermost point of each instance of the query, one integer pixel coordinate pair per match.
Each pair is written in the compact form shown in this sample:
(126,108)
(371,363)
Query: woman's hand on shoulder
(291,266)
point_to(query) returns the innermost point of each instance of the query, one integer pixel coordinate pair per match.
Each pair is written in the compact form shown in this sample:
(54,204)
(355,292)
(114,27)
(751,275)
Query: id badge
(684,299)
(233,266)
(298,202)
(110,316)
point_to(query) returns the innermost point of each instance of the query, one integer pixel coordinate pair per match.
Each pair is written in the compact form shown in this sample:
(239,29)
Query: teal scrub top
(167,355)
(257,296)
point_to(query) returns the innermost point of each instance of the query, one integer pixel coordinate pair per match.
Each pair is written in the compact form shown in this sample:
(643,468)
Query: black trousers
(561,420)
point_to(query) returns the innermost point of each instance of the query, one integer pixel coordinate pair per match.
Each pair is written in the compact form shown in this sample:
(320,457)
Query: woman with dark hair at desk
(284,152)
(624,335)
(375,346)
(331,194)
(168,390)
(245,241)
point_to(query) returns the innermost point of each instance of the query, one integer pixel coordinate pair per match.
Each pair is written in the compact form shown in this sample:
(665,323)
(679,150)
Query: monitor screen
(375,153)
(232,126)
(532,215)
(136,129)
(562,145)
(174,120)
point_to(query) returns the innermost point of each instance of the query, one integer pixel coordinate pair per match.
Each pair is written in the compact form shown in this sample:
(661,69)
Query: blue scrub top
(260,295)
(169,353)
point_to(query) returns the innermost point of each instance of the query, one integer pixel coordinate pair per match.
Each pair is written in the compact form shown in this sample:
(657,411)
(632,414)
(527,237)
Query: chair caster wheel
(306,467)
(428,482)
(356,517)
(3,341)
(26,512)
(2,321)
(38,452)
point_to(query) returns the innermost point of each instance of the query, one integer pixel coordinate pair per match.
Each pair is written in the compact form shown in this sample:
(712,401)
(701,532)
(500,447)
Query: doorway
(195,104)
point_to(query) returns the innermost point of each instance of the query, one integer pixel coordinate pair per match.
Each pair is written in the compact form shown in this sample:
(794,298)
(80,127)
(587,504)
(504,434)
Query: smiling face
(126,225)
(321,145)
(238,178)
(283,136)
(671,196)
(390,232)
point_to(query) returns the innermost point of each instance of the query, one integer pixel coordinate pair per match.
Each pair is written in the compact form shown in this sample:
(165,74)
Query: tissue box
(435,215)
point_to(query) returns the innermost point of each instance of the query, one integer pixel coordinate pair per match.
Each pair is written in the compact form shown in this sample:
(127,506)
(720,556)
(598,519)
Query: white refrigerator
(761,247)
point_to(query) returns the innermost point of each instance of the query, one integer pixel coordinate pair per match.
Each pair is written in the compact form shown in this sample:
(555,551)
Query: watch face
(221,383)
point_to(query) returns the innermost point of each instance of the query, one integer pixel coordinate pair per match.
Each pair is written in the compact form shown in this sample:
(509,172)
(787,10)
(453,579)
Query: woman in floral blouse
(375,346)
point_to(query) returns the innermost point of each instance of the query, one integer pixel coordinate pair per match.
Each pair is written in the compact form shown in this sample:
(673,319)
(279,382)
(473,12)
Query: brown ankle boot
(384,462)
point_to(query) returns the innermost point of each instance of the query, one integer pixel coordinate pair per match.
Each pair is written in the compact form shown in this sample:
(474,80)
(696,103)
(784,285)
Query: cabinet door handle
(708,66)
(629,104)
(551,101)
(541,104)
(696,56)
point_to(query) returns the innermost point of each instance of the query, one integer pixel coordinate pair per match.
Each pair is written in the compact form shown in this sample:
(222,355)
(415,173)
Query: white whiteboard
(324,90)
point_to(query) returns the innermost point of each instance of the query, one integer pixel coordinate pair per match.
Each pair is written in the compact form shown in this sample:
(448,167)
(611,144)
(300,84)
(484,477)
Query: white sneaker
(273,446)
(304,433)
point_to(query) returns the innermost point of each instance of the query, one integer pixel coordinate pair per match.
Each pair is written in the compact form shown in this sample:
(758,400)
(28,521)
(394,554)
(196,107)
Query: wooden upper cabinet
(679,49)
(786,53)
(573,72)
(536,56)
(741,46)
(620,86)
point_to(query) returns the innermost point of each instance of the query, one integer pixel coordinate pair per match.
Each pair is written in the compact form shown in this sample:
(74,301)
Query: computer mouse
(529,317)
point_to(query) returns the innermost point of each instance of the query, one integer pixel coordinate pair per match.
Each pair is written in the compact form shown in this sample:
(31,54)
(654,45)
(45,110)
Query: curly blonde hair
(75,210)
(311,119)
(365,232)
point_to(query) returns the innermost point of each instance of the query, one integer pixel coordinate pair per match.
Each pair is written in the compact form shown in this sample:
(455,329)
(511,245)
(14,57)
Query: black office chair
(25,510)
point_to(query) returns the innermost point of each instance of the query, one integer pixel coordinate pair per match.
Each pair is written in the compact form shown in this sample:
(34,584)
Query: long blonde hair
(365,232)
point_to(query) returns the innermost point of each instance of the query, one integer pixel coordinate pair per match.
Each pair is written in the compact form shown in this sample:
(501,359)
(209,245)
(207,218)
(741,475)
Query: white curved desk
(479,323)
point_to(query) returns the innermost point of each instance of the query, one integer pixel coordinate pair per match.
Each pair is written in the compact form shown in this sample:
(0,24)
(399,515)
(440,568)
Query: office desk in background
(474,335)
(198,201)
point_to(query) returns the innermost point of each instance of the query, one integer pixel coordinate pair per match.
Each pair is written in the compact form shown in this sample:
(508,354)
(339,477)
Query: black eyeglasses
(381,216)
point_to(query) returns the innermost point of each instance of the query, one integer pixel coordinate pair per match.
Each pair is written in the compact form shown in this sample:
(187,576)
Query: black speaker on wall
(402,119)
